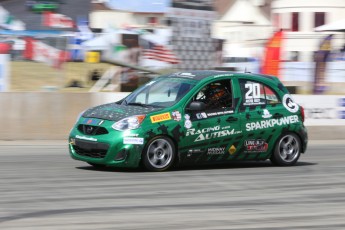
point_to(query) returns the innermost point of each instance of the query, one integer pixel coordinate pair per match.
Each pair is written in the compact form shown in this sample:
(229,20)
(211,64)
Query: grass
(34,76)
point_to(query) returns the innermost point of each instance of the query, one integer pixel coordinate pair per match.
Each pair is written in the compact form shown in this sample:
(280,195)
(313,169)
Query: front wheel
(159,155)
(287,150)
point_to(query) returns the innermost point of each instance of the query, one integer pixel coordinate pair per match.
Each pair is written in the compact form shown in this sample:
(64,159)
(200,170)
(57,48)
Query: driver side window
(216,95)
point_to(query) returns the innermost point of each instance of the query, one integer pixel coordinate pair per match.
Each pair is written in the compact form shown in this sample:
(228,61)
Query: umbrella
(337,26)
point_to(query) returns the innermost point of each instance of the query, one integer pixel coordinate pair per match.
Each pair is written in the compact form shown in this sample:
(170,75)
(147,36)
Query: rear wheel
(287,150)
(159,154)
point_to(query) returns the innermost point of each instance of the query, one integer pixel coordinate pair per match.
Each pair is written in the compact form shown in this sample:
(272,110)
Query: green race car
(193,117)
(42,6)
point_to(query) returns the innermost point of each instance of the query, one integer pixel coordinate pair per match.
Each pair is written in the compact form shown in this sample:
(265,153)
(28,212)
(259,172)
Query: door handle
(232,119)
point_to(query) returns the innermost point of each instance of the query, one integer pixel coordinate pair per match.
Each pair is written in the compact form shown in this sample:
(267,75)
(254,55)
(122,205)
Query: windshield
(163,92)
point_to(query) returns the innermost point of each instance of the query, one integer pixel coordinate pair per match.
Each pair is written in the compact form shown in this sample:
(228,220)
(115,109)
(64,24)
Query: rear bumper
(303,134)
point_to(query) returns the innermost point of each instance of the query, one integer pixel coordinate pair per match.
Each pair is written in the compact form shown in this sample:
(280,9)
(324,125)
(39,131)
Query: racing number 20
(253,90)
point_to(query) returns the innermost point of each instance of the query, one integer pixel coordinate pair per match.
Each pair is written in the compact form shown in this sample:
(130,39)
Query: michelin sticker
(289,104)
(133,140)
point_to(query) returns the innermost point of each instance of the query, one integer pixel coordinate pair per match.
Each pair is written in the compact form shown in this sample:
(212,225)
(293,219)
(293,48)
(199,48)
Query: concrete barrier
(51,115)
(40,115)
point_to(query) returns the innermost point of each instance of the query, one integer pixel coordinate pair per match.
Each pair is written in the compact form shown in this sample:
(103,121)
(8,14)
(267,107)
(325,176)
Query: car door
(260,110)
(211,130)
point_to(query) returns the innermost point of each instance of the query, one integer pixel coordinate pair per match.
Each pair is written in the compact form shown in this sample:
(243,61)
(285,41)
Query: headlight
(132,122)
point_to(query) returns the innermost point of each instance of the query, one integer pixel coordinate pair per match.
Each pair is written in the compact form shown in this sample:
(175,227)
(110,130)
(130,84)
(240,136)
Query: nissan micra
(195,117)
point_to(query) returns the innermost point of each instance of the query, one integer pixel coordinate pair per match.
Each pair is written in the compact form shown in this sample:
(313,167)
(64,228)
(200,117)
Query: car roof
(199,75)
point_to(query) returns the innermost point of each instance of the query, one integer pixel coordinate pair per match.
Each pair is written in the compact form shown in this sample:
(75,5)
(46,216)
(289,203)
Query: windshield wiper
(138,104)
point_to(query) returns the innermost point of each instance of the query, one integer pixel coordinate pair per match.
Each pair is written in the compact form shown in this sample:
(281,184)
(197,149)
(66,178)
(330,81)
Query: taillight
(302,113)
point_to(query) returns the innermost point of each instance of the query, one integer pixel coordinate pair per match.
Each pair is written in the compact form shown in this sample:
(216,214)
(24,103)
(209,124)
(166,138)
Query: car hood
(116,112)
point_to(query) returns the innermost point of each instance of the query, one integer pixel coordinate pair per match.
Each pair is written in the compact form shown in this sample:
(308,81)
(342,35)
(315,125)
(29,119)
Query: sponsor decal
(271,123)
(216,151)
(86,138)
(289,104)
(266,114)
(252,96)
(187,124)
(89,121)
(133,140)
(212,114)
(176,115)
(92,121)
(160,117)
(201,115)
(255,146)
(196,151)
(232,149)
(210,133)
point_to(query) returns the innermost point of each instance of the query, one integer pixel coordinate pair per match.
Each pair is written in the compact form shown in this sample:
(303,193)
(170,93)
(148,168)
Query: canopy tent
(105,41)
(337,26)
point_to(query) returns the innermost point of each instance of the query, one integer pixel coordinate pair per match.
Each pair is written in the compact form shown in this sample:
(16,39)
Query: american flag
(159,53)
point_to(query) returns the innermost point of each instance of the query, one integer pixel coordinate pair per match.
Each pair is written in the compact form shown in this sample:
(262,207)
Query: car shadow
(111,169)
(238,165)
(228,165)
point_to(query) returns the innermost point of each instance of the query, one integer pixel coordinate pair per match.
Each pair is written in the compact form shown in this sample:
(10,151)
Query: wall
(51,115)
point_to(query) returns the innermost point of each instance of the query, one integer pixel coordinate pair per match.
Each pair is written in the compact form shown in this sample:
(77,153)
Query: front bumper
(104,152)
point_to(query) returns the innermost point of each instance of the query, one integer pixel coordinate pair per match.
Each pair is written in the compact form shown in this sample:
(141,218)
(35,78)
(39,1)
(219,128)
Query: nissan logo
(89,129)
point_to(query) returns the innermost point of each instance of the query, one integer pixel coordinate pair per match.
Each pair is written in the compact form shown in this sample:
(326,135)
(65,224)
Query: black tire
(159,154)
(287,150)
(97,166)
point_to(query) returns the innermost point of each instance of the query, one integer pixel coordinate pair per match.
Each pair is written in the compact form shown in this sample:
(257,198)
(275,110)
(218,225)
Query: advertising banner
(320,59)
(57,20)
(271,61)
(41,52)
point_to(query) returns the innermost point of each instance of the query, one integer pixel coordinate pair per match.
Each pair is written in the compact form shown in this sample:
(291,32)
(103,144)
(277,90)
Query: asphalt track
(42,188)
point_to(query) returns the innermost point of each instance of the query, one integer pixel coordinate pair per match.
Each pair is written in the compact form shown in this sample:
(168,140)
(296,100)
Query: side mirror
(197,106)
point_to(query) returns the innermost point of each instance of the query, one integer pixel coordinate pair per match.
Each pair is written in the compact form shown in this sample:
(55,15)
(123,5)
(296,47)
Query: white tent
(105,41)
(102,42)
(337,26)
